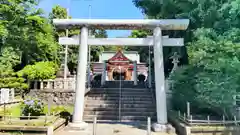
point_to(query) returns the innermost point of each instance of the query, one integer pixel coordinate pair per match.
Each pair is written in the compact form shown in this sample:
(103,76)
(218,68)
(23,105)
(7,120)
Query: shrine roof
(124,52)
(118,57)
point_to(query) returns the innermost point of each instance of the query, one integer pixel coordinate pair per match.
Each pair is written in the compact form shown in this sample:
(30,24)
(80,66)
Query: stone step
(116,102)
(117,113)
(114,117)
(123,86)
(122,105)
(150,109)
(104,117)
(122,95)
(107,98)
(122,91)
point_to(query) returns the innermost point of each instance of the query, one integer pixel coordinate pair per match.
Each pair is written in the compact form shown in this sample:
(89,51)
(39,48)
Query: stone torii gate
(157,41)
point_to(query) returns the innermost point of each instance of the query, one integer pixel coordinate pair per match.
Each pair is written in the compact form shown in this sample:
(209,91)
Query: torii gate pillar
(160,81)
(81,81)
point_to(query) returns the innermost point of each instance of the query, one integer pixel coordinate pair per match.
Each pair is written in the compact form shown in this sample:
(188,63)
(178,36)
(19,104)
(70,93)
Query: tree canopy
(26,37)
(210,80)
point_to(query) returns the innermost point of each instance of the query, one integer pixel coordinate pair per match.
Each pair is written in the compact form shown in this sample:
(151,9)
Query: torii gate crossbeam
(122,41)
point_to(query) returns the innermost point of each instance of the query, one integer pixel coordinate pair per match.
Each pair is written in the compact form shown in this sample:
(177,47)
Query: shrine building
(119,65)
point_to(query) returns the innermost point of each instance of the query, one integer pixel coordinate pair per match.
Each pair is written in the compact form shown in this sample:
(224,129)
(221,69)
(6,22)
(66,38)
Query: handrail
(120,99)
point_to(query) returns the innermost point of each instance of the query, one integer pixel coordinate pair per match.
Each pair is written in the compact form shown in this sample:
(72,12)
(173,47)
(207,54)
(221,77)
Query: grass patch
(15,110)
(58,108)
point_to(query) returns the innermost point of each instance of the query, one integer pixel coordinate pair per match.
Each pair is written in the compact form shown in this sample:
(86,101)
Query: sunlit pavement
(110,129)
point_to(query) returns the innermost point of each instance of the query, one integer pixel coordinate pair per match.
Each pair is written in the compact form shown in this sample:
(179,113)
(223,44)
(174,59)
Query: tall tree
(210,81)
(26,32)
(26,37)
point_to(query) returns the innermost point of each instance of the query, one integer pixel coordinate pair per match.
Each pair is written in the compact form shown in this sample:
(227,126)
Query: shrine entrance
(119,76)
(119,73)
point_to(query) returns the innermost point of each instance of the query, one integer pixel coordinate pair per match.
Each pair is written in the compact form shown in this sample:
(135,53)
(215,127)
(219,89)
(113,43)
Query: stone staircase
(126,103)
(117,84)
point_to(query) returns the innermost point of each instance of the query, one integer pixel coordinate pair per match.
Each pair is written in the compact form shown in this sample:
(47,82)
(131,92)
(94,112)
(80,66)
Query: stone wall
(58,97)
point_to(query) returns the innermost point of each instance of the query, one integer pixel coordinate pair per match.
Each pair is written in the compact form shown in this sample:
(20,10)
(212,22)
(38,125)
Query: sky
(100,9)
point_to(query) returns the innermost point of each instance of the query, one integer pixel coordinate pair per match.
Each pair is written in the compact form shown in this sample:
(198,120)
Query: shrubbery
(32,107)
(39,71)
(211,80)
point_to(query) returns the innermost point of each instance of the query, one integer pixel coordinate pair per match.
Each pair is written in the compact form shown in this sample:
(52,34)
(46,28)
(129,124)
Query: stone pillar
(48,84)
(81,81)
(104,73)
(159,82)
(41,84)
(135,72)
(35,85)
(132,77)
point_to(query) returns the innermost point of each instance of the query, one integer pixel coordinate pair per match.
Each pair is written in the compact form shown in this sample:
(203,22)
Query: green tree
(26,32)
(59,12)
(9,79)
(143,50)
(211,79)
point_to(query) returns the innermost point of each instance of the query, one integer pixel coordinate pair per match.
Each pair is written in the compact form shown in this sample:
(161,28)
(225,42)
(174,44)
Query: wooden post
(94,125)
(4,109)
(188,109)
(10,118)
(28,116)
(208,119)
(223,120)
(191,119)
(50,130)
(149,126)
(235,120)
(184,116)
(45,122)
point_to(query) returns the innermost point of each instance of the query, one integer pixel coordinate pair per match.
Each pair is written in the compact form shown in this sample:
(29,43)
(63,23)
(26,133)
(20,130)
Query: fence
(29,120)
(58,83)
(194,119)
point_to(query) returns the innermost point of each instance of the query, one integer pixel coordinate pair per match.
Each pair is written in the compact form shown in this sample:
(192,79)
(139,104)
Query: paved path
(110,129)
